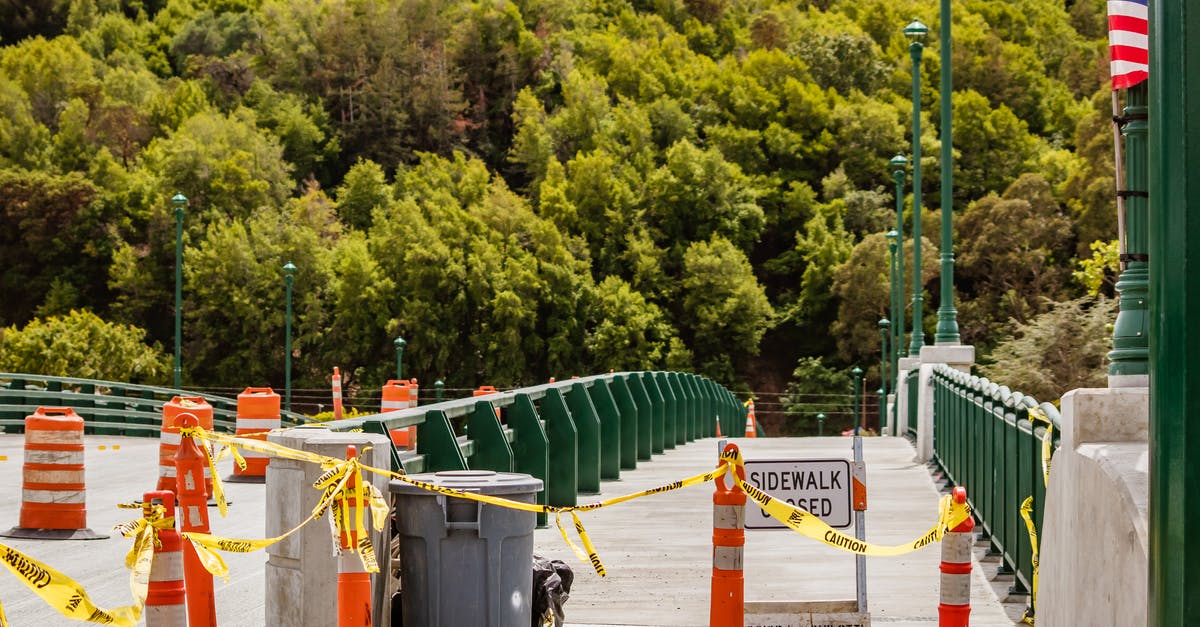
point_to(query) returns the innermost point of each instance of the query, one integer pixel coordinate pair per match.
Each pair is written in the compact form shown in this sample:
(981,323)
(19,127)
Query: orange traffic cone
(751,427)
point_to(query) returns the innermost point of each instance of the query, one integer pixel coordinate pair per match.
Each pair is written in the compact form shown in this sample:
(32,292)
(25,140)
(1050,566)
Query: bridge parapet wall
(1094,557)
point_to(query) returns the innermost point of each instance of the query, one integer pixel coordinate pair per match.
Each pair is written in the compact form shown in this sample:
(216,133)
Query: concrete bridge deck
(657,550)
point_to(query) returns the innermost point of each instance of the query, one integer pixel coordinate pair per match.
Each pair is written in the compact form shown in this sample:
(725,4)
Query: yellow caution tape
(70,599)
(1047,442)
(950,515)
(1027,514)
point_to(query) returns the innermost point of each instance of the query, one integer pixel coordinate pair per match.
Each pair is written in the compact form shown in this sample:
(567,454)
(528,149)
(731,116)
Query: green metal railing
(107,408)
(989,439)
(570,434)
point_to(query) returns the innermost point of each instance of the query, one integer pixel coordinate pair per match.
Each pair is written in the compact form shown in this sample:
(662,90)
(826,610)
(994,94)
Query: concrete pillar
(960,358)
(301,585)
(1094,554)
(904,366)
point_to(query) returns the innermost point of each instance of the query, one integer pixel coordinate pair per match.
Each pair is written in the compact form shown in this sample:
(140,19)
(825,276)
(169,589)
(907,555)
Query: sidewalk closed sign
(821,486)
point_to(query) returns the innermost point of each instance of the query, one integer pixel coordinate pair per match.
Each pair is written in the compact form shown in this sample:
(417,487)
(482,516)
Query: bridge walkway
(657,550)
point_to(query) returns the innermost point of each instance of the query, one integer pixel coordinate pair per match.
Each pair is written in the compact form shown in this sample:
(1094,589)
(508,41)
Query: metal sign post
(859,495)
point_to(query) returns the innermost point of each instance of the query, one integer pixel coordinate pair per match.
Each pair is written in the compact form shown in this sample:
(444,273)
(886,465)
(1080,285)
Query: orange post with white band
(954,610)
(729,540)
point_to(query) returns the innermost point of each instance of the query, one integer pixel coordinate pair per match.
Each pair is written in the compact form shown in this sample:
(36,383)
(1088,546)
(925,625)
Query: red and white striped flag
(1128,42)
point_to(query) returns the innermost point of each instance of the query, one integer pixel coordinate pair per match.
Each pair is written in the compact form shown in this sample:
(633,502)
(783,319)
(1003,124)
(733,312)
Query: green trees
(80,344)
(525,189)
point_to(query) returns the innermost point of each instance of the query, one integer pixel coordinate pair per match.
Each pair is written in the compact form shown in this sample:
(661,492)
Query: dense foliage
(534,188)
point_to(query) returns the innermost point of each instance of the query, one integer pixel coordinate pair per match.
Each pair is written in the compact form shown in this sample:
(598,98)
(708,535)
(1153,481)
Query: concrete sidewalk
(657,550)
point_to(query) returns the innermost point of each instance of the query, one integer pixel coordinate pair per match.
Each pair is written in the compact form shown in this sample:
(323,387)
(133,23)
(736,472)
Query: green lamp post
(1129,364)
(400,344)
(947,325)
(438,386)
(884,356)
(899,165)
(857,373)
(820,425)
(180,203)
(288,271)
(915,32)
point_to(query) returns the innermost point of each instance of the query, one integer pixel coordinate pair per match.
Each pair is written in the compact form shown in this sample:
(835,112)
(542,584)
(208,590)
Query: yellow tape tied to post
(69,598)
(950,515)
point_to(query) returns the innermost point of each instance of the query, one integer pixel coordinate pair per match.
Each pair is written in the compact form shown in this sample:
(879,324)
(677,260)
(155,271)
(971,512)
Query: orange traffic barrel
(169,441)
(53,491)
(484,390)
(257,412)
(399,394)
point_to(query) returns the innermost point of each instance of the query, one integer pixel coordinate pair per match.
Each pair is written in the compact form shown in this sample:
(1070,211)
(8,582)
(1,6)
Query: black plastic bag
(551,589)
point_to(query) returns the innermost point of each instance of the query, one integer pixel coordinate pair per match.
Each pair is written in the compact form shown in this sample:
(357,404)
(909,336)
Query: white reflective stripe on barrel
(167,566)
(34,475)
(729,516)
(170,438)
(165,470)
(956,589)
(395,405)
(956,548)
(54,436)
(727,557)
(349,562)
(52,496)
(33,456)
(260,424)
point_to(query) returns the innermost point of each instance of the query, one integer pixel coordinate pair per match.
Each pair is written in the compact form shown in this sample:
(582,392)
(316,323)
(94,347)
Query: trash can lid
(481,481)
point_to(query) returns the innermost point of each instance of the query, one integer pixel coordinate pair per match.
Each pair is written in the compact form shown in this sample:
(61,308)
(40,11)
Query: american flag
(1128,42)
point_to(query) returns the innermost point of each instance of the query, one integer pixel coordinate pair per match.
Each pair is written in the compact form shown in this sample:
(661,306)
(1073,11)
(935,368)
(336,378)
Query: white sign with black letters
(820,486)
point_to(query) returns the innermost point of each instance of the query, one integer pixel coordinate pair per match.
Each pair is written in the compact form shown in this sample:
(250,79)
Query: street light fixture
(180,203)
(288,271)
(947,326)
(820,425)
(915,32)
(400,344)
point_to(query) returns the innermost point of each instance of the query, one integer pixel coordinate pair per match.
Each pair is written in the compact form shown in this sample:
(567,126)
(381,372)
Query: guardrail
(984,439)
(107,407)
(913,382)
(570,434)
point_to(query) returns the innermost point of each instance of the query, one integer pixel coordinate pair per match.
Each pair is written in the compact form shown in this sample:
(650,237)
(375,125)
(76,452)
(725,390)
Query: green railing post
(491,450)
(658,410)
(670,435)
(587,422)
(683,420)
(820,425)
(610,429)
(438,386)
(564,450)
(400,344)
(530,447)
(699,426)
(645,422)
(437,442)
(629,421)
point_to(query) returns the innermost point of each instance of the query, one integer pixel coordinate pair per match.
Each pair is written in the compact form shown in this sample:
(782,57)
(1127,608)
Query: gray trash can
(463,562)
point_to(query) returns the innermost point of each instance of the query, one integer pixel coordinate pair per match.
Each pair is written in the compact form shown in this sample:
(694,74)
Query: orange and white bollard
(169,437)
(257,412)
(354,582)
(190,464)
(954,610)
(337,394)
(165,597)
(53,491)
(399,394)
(729,538)
(751,422)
